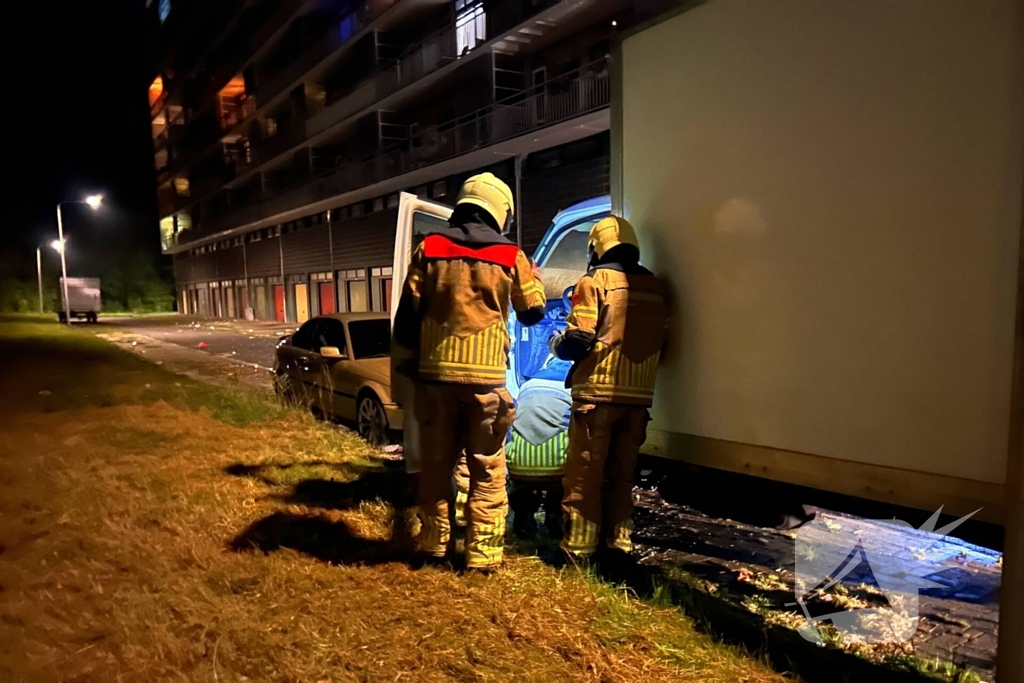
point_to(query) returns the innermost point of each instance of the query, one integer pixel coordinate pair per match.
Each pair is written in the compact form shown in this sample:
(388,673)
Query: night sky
(79,124)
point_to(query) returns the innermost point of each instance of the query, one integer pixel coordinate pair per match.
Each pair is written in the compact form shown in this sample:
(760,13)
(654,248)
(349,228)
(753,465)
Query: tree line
(138,284)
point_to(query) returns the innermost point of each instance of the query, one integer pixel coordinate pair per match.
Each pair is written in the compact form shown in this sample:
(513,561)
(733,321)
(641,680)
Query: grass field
(153,528)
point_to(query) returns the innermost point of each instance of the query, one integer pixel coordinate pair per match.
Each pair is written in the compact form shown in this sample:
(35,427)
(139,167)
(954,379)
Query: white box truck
(83,297)
(834,191)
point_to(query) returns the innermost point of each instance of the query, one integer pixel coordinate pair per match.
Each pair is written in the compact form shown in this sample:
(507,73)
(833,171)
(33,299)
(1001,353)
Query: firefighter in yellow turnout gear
(614,336)
(453,311)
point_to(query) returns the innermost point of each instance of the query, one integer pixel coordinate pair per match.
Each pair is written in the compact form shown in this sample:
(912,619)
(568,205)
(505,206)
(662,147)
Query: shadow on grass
(389,485)
(317,537)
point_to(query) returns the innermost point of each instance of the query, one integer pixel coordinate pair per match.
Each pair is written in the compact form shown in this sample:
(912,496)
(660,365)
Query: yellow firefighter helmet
(607,233)
(491,194)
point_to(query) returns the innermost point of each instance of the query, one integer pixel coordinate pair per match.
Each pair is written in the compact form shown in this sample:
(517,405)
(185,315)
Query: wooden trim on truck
(921,490)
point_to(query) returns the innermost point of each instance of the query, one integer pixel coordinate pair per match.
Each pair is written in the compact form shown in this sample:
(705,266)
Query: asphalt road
(224,340)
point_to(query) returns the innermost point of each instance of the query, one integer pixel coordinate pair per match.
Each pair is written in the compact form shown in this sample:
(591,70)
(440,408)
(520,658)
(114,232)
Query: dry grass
(179,532)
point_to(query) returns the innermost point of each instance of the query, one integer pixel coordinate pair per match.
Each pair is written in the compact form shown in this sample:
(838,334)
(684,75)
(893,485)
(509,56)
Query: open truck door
(416,219)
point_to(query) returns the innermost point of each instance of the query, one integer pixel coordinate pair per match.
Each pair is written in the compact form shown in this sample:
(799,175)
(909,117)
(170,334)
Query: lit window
(163,9)
(470,25)
(347,27)
(167,231)
(156,89)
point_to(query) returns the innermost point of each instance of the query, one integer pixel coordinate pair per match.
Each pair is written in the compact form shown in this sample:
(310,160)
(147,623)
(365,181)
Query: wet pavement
(243,341)
(216,351)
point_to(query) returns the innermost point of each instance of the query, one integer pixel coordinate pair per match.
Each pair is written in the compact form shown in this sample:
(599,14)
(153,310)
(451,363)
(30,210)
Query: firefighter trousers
(604,442)
(453,417)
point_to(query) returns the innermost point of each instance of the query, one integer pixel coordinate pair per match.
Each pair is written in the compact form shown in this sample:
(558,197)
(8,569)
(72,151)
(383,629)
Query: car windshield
(370,338)
(571,251)
(567,262)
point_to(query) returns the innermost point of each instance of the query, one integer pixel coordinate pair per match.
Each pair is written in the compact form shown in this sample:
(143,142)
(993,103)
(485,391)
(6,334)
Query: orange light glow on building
(156,89)
(234,88)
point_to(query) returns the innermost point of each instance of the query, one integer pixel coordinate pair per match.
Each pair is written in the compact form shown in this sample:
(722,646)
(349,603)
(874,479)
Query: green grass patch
(61,369)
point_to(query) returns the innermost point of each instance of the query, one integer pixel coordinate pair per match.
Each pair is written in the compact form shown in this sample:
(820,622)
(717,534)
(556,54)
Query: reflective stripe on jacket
(456,297)
(627,312)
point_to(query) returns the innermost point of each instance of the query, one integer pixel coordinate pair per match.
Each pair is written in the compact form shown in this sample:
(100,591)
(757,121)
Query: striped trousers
(604,442)
(453,417)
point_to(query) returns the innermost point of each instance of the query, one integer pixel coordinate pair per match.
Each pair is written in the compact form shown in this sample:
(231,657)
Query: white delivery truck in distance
(83,296)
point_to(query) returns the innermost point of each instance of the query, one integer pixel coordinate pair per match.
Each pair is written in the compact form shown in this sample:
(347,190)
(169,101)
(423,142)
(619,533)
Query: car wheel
(371,421)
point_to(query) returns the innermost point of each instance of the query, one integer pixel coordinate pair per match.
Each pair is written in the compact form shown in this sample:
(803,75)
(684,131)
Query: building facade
(284,131)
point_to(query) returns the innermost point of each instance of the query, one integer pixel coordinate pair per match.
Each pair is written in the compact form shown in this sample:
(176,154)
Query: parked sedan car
(339,366)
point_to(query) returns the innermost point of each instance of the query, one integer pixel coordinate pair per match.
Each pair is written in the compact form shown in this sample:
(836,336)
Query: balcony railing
(233,113)
(423,58)
(341,33)
(545,106)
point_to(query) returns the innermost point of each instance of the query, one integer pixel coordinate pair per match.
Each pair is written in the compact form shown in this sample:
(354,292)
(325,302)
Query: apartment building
(284,131)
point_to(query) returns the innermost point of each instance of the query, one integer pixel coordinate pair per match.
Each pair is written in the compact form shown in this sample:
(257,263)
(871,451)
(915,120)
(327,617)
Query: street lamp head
(94,201)
(57,245)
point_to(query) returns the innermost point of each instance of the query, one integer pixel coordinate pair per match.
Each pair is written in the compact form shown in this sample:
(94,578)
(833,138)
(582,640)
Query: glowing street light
(94,202)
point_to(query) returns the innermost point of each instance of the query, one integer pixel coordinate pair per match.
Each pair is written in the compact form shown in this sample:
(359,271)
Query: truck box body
(834,192)
(83,296)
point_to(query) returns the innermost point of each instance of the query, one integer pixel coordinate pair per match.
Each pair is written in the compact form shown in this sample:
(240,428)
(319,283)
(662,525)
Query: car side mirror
(331,352)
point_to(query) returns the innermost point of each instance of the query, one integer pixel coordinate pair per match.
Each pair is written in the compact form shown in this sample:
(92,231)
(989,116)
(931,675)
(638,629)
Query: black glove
(574,344)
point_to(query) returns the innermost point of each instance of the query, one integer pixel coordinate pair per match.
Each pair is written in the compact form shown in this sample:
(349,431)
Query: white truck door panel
(416,217)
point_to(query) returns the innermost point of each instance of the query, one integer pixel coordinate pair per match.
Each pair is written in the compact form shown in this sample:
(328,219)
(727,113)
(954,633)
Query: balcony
(491,125)
(287,138)
(418,61)
(236,110)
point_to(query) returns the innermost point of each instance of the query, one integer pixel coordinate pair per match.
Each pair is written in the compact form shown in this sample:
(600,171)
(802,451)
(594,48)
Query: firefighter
(614,336)
(454,311)
(536,450)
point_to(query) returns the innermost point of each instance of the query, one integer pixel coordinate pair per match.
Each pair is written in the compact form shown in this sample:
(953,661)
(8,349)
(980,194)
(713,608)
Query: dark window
(307,336)
(332,333)
(370,338)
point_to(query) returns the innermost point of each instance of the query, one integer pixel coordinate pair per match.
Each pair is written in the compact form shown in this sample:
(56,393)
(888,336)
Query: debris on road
(202,345)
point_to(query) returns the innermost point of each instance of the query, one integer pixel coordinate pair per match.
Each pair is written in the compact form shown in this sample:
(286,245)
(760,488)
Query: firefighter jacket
(540,430)
(623,308)
(455,302)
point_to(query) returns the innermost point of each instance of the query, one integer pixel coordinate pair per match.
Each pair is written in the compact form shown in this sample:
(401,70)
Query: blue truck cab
(562,257)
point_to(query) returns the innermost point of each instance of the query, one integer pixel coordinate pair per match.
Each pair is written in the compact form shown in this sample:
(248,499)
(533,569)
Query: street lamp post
(94,202)
(39,273)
